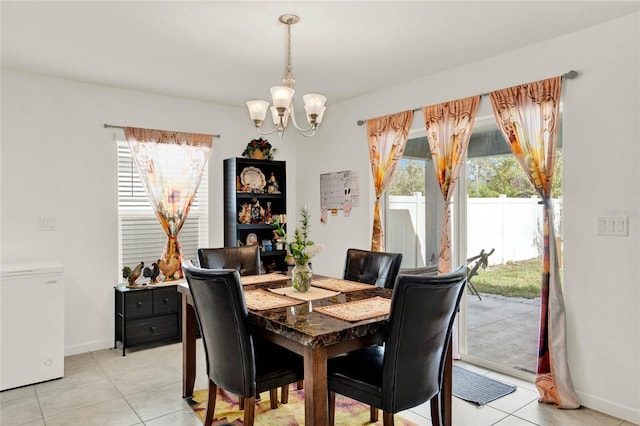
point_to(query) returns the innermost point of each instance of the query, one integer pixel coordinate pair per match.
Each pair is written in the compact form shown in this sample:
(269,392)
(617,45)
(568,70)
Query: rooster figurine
(132,275)
(152,273)
(171,269)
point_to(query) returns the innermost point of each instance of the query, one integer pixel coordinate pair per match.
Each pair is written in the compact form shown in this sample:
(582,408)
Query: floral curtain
(448,129)
(527,116)
(387,137)
(170,165)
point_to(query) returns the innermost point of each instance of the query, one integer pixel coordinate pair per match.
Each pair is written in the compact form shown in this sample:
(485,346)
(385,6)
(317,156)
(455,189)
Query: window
(140,236)
(412,216)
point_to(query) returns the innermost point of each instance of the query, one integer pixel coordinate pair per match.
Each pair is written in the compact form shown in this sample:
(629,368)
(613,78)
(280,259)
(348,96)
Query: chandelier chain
(288,77)
(282,110)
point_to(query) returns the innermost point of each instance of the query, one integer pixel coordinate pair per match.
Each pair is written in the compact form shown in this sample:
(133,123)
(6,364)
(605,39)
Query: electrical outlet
(612,226)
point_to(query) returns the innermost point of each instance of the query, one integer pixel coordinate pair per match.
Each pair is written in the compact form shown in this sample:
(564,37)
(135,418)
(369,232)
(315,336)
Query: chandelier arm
(292,114)
(259,129)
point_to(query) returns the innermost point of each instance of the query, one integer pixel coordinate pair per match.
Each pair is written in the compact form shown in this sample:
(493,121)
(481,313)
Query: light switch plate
(612,226)
(48,223)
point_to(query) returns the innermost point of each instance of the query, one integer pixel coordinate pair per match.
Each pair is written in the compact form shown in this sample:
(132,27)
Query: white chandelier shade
(282,99)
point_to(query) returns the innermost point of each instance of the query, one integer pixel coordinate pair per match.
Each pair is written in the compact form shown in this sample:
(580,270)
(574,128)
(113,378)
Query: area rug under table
(476,388)
(348,411)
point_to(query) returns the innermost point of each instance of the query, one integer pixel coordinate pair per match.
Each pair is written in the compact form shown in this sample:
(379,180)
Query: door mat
(476,388)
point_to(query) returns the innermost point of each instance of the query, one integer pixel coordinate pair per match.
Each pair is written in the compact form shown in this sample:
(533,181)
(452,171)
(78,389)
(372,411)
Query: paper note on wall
(338,189)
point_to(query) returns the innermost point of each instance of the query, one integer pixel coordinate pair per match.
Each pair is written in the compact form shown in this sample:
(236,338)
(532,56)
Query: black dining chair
(237,361)
(408,369)
(371,267)
(244,259)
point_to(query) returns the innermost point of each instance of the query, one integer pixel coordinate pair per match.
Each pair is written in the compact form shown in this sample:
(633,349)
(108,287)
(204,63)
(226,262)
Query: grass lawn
(515,279)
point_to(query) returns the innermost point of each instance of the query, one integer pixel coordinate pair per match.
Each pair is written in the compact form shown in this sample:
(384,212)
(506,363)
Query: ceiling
(233,51)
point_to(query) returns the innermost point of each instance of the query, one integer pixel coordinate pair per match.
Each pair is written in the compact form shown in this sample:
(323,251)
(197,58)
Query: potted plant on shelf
(259,149)
(279,233)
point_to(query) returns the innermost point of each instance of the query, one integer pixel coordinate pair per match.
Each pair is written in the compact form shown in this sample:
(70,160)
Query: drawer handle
(154,329)
(139,303)
(166,300)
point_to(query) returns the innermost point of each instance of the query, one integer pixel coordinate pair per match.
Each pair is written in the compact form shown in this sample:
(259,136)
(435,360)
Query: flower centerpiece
(259,149)
(302,249)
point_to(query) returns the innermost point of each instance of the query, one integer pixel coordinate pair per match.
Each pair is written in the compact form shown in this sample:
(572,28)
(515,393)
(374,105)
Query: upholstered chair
(237,361)
(377,268)
(244,259)
(423,308)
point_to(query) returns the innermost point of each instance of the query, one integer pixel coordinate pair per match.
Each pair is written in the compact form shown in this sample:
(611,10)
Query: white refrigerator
(31,323)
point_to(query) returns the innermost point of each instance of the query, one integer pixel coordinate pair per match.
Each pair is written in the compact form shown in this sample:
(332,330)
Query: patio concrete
(504,330)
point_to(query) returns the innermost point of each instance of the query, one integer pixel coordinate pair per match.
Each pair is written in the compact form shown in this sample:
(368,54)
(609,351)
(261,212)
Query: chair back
(223,318)
(377,268)
(244,259)
(423,308)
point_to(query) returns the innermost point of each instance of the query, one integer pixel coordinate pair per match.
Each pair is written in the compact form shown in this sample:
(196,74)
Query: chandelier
(282,96)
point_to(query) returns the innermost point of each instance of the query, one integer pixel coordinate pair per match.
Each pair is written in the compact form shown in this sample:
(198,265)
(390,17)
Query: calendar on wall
(339,190)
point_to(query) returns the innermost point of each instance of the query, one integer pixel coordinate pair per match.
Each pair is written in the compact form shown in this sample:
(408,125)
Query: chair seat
(275,365)
(359,375)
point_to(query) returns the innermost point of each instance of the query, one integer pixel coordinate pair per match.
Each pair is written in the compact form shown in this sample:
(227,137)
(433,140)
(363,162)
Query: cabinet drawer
(138,303)
(146,330)
(166,300)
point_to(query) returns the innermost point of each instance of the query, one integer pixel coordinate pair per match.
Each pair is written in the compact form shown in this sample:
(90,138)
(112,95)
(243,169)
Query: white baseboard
(611,408)
(88,347)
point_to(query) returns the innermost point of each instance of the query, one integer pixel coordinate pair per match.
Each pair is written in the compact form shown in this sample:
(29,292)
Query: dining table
(336,316)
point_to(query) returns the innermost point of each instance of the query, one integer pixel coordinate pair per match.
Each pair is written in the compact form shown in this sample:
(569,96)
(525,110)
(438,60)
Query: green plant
(278,222)
(301,249)
(259,144)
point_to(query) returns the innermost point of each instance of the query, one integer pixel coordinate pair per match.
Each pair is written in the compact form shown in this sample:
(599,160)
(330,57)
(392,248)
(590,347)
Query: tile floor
(144,388)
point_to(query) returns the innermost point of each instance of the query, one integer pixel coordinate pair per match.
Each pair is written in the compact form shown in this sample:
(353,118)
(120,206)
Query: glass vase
(301,277)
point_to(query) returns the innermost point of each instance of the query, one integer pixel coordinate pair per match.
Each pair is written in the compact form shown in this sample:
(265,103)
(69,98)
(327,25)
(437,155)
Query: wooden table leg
(315,387)
(188,348)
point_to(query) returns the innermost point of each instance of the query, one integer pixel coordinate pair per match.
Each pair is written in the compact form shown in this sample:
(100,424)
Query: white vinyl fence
(511,226)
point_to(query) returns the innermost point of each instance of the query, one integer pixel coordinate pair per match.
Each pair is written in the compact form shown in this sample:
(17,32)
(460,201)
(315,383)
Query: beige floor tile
(17,393)
(181,418)
(157,402)
(467,414)
(39,422)
(150,376)
(72,397)
(78,359)
(115,412)
(21,408)
(513,421)
(75,373)
(514,401)
(547,415)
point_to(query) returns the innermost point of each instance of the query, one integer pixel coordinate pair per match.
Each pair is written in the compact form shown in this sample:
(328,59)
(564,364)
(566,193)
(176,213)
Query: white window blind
(140,236)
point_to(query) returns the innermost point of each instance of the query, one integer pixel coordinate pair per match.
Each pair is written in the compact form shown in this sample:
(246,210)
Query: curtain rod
(111,126)
(568,75)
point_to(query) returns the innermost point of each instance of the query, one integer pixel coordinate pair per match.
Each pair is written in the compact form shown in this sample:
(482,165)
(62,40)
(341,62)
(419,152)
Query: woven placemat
(259,300)
(314,293)
(263,278)
(336,284)
(358,310)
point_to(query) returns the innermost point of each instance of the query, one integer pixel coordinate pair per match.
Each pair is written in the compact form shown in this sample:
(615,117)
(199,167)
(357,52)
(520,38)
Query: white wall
(57,160)
(601,176)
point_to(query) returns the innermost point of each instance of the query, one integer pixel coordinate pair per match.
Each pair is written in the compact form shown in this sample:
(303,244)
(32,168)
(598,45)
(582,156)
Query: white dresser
(32,323)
